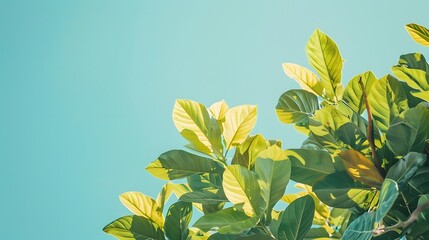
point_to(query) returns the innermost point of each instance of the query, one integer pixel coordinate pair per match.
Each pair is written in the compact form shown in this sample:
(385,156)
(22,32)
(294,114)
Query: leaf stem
(370,131)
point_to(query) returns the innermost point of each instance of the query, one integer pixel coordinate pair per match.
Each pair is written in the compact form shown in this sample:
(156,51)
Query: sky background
(87,89)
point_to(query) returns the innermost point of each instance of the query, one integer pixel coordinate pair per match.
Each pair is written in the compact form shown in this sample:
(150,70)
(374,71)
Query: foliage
(363,168)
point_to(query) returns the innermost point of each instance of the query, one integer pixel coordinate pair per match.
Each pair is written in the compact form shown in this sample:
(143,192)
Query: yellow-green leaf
(193,122)
(419,33)
(304,77)
(353,95)
(423,95)
(134,227)
(325,57)
(142,205)
(361,168)
(239,122)
(218,110)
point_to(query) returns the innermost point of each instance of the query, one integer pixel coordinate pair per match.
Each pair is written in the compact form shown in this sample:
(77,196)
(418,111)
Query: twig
(370,130)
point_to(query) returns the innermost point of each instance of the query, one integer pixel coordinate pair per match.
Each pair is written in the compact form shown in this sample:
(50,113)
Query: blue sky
(87,89)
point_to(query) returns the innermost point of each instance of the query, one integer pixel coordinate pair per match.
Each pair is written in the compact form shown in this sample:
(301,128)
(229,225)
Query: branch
(370,131)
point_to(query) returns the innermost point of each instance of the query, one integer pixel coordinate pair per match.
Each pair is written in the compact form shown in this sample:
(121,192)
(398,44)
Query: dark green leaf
(405,168)
(420,181)
(361,228)
(296,105)
(205,197)
(177,220)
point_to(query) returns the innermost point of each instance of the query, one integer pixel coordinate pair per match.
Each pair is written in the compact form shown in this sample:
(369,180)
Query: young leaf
(134,227)
(389,193)
(241,186)
(405,168)
(193,122)
(419,33)
(304,77)
(297,219)
(176,164)
(325,57)
(339,190)
(218,110)
(296,105)
(361,228)
(353,94)
(247,151)
(229,221)
(177,220)
(310,166)
(239,122)
(168,189)
(273,172)
(142,205)
(361,168)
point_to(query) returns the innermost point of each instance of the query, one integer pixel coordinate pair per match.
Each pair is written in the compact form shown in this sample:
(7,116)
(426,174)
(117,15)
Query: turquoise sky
(87,89)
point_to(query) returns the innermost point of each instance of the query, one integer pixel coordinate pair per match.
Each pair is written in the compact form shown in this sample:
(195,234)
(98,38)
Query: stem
(406,203)
(370,130)
(413,217)
(266,230)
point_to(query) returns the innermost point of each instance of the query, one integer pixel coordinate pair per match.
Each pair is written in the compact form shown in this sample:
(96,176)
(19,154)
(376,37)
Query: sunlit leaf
(424,95)
(218,110)
(247,151)
(134,227)
(193,122)
(143,206)
(297,219)
(177,220)
(168,189)
(361,228)
(419,33)
(413,69)
(353,94)
(304,77)
(241,186)
(176,164)
(239,122)
(296,105)
(325,58)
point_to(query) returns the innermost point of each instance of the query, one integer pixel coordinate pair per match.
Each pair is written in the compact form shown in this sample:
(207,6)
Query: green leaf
(177,220)
(424,95)
(353,94)
(204,197)
(310,166)
(420,227)
(304,77)
(296,105)
(142,205)
(420,181)
(241,186)
(413,69)
(388,100)
(340,191)
(167,190)
(419,33)
(205,181)
(361,228)
(239,122)
(325,57)
(273,172)
(361,168)
(297,219)
(218,110)
(411,133)
(134,227)
(229,221)
(247,151)
(405,168)
(193,122)
(318,234)
(339,218)
(176,164)
(389,193)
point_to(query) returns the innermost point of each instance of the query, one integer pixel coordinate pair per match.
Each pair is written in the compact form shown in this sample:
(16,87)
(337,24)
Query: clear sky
(87,89)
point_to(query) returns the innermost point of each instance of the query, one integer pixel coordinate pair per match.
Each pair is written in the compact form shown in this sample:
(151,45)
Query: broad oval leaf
(241,186)
(310,166)
(420,181)
(168,189)
(297,219)
(361,168)
(296,105)
(353,94)
(413,69)
(405,168)
(229,221)
(304,77)
(389,193)
(419,33)
(273,172)
(176,164)
(239,122)
(324,56)
(134,228)
(361,228)
(177,220)
(339,190)
(218,110)
(204,197)
(247,152)
(142,205)
(193,121)
(206,181)
(387,100)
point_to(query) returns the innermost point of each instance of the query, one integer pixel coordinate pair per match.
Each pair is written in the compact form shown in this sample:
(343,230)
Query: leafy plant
(363,168)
